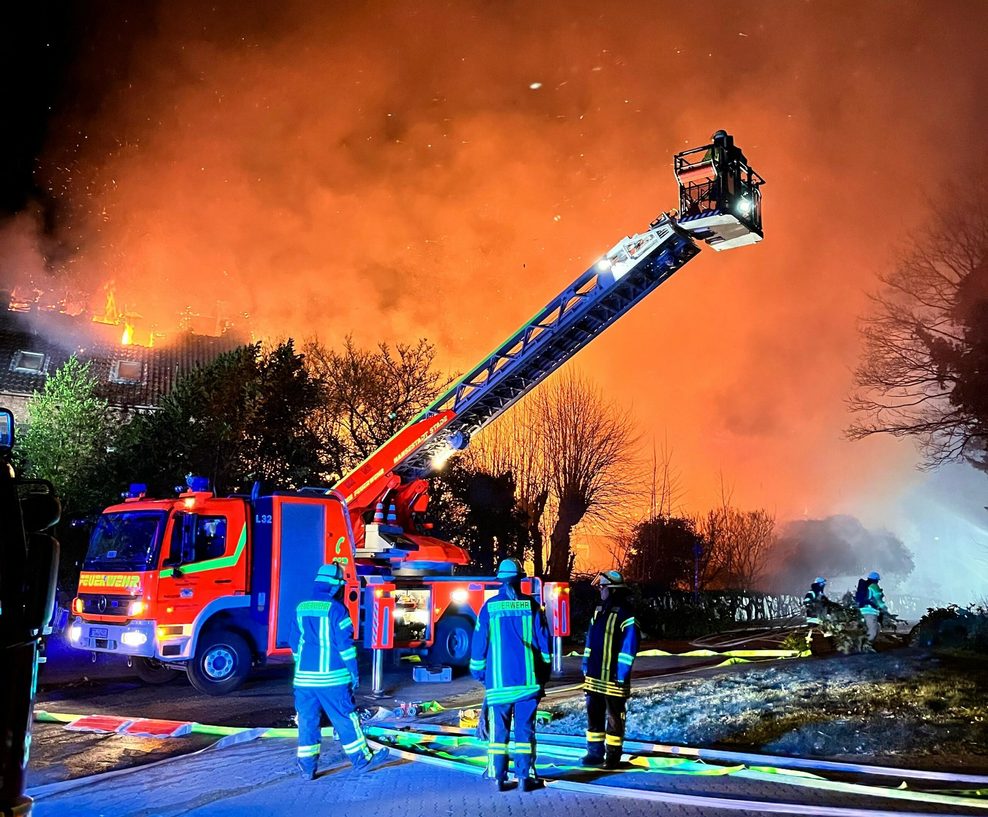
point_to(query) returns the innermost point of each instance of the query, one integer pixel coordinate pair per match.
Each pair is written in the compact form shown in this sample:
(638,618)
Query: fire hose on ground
(459,749)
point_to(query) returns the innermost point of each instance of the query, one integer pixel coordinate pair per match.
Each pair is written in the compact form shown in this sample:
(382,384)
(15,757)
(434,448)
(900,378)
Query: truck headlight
(75,632)
(133,639)
(135,608)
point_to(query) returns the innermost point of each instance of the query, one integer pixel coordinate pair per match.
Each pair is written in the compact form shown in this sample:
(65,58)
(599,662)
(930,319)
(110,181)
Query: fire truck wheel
(222,663)
(152,671)
(452,644)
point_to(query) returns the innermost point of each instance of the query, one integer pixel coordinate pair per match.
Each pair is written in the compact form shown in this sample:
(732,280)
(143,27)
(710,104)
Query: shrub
(956,627)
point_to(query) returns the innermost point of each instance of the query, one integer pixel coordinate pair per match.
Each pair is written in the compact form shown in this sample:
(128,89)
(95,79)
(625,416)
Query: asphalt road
(71,683)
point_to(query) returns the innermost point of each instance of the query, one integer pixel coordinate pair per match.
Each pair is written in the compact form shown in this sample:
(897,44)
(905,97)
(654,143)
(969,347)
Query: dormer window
(28,362)
(127,371)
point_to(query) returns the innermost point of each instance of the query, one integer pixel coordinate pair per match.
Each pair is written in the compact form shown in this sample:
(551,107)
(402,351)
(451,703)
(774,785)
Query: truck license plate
(98,632)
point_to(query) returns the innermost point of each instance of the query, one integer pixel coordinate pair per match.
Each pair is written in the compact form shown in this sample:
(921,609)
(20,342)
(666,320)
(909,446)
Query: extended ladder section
(601,295)
(720,205)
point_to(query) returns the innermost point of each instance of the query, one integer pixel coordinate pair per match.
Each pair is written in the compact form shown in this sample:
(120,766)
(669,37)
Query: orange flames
(112,315)
(110,312)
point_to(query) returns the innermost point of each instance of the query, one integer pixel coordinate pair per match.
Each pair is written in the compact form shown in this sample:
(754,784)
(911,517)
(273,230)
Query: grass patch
(901,704)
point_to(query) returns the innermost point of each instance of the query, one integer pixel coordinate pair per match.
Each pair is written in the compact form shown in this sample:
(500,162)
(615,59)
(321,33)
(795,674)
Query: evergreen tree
(241,418)
(69,432)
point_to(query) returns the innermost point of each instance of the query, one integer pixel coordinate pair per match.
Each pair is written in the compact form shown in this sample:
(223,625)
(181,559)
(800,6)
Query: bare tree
(924,371)
(369,395)
(589,448)
(646,548)
(738,545)
(667,488)
(513,443)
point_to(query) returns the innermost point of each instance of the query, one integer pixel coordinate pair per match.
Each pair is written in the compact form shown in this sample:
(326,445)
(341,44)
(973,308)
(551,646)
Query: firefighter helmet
(873,576)
(330,574)
(819,580)
(510,569)
(609,578)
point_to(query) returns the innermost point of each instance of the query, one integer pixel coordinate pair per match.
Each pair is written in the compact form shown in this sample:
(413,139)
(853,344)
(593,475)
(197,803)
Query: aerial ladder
(720,205)
(214,584)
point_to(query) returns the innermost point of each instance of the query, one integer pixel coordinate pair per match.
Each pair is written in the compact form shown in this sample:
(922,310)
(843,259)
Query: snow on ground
(904,704)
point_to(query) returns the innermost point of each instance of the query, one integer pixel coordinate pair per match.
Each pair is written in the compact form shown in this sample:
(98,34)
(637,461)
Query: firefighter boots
(376,760)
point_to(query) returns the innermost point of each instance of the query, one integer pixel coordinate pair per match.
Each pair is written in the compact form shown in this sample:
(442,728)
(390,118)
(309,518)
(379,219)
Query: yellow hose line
(764,773)
(702,802)
(703,653)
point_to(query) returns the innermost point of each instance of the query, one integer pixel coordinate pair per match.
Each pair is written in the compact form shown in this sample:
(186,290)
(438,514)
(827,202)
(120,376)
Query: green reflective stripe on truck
(212,564)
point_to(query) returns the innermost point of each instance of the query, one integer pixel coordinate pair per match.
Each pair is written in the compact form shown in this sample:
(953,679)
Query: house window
(28,362)
(127,371)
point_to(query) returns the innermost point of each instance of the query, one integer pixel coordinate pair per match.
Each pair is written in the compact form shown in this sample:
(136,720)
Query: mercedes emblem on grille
(101,604)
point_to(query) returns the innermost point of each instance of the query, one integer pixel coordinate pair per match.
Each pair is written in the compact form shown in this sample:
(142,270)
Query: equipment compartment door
(299,548)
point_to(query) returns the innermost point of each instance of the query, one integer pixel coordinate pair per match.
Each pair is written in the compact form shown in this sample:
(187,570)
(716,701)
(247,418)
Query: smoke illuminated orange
(325,171)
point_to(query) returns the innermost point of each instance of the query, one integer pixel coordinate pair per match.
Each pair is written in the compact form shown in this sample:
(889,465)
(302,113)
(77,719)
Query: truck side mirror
(42,562)
(182,547)
(174,555)
(6,431)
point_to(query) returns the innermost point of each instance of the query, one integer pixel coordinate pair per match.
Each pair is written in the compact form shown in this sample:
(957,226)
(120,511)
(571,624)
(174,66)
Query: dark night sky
(441,169)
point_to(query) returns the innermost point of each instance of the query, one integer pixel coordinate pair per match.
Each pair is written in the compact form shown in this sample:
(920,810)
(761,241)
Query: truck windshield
(125,541)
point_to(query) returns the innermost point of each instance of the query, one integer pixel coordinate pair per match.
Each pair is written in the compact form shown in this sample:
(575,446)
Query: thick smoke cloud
(836,546)
(395,170)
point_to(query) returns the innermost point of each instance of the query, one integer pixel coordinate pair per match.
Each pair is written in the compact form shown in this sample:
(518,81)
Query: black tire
(221,664)
(152,671)
(452,645)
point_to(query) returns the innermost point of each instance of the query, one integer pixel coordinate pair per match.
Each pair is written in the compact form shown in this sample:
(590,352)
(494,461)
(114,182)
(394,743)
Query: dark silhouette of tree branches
(924,371)
(367,396)
(514,444)
(589,447)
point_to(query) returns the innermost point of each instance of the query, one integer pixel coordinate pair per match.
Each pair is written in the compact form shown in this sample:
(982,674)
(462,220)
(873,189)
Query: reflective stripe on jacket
(876,601)
(815,603)
(325,654)
(510,653)
(612,644)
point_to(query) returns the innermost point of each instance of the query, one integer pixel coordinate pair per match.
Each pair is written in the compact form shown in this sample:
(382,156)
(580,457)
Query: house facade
(34,343)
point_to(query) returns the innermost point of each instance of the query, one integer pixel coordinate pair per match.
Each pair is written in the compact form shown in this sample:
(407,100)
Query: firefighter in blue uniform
(871,603)
(326,675)
(511,656)
(612,644)
(817,605)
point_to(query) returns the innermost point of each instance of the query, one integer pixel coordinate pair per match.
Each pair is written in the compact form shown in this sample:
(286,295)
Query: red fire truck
(209,584)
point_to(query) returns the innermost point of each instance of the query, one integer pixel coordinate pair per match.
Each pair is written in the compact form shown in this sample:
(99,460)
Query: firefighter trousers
(605,725)
(498,732)
(337,703)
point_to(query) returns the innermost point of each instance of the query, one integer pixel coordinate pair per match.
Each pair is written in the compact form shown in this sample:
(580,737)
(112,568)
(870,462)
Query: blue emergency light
(136,490)
(197,484)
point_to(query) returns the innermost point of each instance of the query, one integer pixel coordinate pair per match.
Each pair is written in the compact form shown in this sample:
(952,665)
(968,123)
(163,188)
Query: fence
(680,614)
